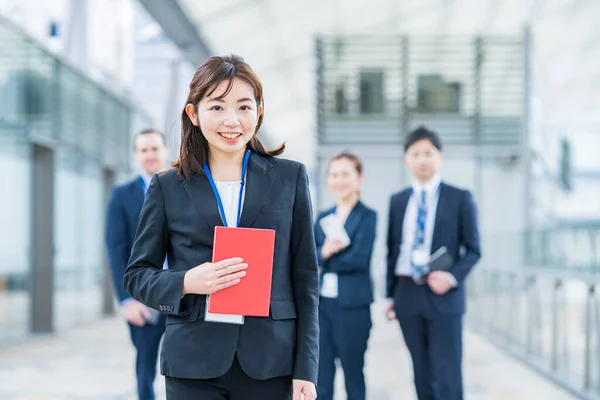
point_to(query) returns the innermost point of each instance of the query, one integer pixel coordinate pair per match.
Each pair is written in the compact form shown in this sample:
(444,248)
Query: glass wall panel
(67,237)
(39,95)
(13,59)
(15,222)
(92,240)
(79,228)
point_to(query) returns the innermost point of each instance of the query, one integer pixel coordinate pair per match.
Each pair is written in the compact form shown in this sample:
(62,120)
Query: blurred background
(511,86)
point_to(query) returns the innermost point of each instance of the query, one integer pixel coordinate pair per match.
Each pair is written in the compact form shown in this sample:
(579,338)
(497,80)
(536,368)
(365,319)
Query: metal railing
(545,310)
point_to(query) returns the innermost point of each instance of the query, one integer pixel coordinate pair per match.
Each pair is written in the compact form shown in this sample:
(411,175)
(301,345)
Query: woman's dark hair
(348,155)
(194,146)
(422,133)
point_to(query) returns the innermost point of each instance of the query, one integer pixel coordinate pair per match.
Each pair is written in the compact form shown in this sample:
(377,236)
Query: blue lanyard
(216,191)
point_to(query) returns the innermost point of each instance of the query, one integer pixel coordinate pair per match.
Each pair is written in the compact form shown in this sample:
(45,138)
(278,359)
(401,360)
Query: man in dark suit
(146,325)
(428,304)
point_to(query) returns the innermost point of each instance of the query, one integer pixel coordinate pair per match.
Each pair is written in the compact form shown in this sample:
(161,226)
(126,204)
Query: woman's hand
(210,277)
(330,247)
(304,388)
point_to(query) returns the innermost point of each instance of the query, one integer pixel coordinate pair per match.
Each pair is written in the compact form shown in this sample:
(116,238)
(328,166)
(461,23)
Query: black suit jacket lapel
(203,199)
(440,210)
(258,186)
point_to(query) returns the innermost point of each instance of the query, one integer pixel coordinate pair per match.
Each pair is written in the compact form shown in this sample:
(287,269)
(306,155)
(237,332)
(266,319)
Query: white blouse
(230,196)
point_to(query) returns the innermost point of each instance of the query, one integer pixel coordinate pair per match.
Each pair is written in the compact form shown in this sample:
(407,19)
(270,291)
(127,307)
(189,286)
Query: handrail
(547,317)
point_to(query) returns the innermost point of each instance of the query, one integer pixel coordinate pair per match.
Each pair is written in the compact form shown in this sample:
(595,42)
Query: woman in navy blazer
(346,291)
(224,176)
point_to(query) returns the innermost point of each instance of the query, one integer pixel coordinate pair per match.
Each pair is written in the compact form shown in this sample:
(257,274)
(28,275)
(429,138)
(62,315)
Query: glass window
(14,234)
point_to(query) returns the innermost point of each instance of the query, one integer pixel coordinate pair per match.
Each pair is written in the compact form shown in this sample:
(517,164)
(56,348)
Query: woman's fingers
(225,285)
(231,277)
(231,269)
(227,263)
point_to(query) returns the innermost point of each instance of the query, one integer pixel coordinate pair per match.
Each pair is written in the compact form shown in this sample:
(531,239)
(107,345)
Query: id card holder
(222,318)
(330,285)
(420,257)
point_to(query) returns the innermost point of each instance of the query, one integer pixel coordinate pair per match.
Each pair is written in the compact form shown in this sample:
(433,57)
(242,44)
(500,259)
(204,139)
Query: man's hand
(330,247)
(305,388)
(439,282)
(135,312)
(390,313)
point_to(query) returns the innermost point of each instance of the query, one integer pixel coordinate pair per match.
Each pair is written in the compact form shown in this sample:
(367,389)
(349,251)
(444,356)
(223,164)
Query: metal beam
(41,286)
(108,299)
(179,29)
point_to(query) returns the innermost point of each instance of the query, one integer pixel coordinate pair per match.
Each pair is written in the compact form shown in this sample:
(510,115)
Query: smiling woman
(225,176)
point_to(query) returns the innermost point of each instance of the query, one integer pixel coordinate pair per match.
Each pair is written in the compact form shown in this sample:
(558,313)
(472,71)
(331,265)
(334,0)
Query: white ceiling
(277,39)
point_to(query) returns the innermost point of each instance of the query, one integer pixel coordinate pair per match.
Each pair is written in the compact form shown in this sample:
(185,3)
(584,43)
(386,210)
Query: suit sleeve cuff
(125,301)
(177,305)
(452,279)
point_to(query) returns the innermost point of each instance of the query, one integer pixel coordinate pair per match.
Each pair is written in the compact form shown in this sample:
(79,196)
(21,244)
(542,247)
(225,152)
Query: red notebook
(250,297)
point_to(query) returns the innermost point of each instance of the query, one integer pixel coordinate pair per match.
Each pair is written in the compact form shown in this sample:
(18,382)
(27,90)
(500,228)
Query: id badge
(420,257)
(330,285)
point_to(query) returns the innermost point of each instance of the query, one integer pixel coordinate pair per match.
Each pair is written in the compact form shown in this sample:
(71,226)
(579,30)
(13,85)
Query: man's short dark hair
(422,133)
(149,131)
